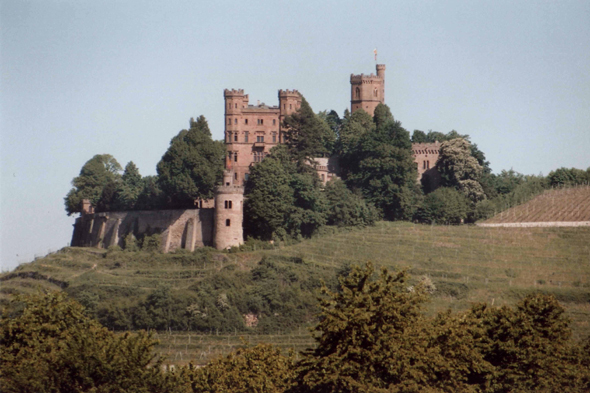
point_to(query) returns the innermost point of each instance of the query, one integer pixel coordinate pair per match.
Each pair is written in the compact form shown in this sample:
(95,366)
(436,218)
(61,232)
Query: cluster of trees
(372,337)
(190,169)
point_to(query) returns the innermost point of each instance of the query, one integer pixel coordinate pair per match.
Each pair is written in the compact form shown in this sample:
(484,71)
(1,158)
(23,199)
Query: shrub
(443,206)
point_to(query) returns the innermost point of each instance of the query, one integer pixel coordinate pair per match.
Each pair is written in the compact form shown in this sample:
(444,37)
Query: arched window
(375,93)
(358,93)
(227,222)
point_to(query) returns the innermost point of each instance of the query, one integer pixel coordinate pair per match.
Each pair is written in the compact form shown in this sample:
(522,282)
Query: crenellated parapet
(233,92)
(288,93)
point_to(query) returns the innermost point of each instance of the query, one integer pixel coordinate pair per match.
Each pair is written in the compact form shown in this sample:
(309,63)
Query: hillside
(559,205)
(212,294)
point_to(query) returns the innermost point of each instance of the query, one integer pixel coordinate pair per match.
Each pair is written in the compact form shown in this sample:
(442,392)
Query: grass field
(466,263)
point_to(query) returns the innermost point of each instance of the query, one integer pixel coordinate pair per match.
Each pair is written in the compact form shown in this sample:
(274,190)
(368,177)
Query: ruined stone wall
(186,229)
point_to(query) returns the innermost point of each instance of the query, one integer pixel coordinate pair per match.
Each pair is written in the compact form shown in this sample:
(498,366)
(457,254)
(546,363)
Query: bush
(443,206)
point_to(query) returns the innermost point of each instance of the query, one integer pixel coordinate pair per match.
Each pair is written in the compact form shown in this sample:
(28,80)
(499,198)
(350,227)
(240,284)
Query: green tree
(269,198)
(53,346)
(366,336)
(443,206)
(346,208)
(306,134)
(252,369)
(192,166)
(528,347)
(459,169)
(419,137)
(151,196)
(568,177)
(98,172)
(376,158)
(283,197)
(128,189)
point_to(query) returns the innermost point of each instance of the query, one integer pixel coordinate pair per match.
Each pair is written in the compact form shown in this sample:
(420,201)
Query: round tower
(229,213)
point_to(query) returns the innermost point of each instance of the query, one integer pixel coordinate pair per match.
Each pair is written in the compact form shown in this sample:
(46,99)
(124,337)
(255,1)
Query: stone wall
(186,229)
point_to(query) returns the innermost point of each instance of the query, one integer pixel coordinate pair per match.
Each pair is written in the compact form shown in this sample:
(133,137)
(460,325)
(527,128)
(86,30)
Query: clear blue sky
(80,78)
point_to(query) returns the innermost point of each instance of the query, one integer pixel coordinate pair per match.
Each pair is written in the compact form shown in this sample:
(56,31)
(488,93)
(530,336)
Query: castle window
(323,177)
(290,106)
(235,121)
(375,93)
(236,137)
(246,176)
(424,165)
(260,122)
(227,222)
(230,155)
(274,138)
(228,204)
(236,176)
(236,155)
(236,105)
(246,121)
(229,121)
(358,93)
(246,136)
(260,139)
(284,106)
(229,136)
(427,164)
(274,122)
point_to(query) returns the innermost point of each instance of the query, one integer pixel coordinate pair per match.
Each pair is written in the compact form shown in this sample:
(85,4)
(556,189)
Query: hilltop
(219,296)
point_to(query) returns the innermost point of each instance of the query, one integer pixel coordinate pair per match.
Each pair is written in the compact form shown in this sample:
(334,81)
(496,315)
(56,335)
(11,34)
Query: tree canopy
(98,172)
(192,166)
(51,345)
(376,158)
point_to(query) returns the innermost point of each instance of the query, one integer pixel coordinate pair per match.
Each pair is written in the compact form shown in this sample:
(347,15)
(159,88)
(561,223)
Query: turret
(229,213)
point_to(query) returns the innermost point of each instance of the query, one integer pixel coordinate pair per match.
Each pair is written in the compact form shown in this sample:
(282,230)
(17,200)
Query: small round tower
(229,213)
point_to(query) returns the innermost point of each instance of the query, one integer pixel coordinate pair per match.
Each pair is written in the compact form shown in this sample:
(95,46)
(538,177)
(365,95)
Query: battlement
(287,93)
(362,78)
(229,190)
(233,92)
(425,148)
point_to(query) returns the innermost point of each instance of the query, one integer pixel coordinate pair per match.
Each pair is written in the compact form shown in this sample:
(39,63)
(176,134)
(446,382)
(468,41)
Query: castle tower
(289,102)
(367,91)
(229,213)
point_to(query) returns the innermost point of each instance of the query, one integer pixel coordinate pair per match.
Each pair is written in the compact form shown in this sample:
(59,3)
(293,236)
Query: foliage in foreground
(372,337)
(50,345)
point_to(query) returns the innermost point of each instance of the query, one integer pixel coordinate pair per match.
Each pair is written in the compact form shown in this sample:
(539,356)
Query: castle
(250,132)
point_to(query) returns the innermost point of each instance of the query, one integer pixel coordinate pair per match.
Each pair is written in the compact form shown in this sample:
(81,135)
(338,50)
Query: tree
(53,346)
(377,159)
(151,197)
(269,198)
(443,206)
(306,134)
(283,197)
(251,369)
(568,177)
(372,337)
(128,189)
(459,169)
(346,208)
(192,166)
(527,347)
(98,172)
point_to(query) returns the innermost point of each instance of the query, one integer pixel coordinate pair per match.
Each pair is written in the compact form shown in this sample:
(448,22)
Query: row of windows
(260,122)
(228,204)
(259,138)
(258,156)
(236,106)
(357,93)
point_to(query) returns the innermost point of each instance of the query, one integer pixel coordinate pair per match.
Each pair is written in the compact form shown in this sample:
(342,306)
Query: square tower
(367,91)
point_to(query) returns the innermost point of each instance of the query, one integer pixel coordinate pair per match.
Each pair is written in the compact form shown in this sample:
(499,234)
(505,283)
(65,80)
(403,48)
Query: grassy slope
(467,264)
(569,204)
